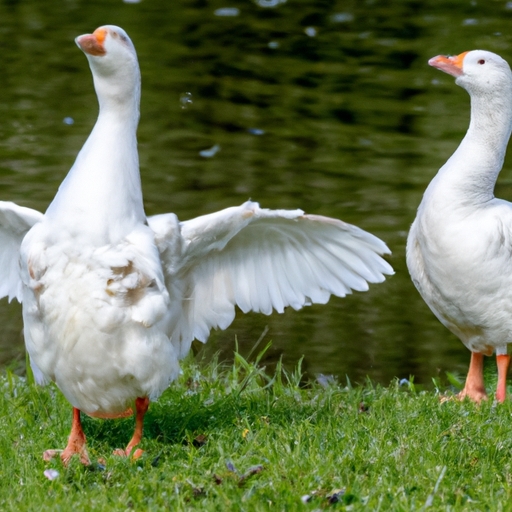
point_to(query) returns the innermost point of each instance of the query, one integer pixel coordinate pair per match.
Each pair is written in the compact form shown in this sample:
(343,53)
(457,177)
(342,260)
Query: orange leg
(76,443)
(502,361)
(474,387)
(141,405)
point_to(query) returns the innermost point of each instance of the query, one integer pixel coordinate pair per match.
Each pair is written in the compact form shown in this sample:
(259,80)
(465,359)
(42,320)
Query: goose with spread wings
(112,299)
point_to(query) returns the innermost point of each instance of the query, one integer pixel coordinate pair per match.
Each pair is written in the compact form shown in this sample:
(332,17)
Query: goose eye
(481,61)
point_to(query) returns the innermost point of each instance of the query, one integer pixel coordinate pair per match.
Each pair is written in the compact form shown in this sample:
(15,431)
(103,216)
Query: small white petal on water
(342,17)
(256,131)
(270,3)
(227,11)
(186,100)
(208,153)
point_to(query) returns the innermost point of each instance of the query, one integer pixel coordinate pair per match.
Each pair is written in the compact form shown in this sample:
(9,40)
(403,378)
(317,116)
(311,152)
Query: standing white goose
(112,300)
(459,250)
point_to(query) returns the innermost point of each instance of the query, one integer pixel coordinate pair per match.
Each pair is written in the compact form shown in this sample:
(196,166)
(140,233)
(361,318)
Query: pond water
(323,105)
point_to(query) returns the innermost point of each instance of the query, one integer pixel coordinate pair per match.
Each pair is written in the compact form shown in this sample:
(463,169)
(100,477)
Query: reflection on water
(324,105)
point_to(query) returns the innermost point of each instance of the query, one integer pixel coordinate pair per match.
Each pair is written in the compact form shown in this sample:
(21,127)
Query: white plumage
(112,300)
(15,222)
(459,250)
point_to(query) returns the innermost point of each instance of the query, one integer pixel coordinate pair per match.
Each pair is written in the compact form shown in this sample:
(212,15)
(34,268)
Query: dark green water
(324,105)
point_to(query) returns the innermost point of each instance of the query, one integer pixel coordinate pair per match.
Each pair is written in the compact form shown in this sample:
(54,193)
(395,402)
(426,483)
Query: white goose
(112,300)
(459,250)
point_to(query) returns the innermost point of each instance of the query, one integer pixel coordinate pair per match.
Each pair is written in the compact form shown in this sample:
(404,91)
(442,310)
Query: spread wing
(15,222)
(260,260)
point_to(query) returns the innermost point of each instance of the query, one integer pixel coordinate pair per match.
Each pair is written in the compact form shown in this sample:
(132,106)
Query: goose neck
(471,173)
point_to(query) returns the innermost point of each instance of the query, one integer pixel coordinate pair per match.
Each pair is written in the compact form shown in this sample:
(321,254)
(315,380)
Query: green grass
(233,438)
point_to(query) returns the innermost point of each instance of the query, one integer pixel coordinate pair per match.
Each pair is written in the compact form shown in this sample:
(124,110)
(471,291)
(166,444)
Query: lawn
(234,438)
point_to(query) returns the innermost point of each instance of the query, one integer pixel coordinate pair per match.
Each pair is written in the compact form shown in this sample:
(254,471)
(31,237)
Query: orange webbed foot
(75,446)
(474,388)
(134,454)
(475,395)
(66,454)
(141,406)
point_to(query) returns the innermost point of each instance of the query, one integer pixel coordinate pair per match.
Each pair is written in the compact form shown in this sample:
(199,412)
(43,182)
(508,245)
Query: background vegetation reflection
(319,104)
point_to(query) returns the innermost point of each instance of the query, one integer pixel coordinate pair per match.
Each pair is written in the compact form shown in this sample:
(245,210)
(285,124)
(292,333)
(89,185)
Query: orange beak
(450,65)
(93,43)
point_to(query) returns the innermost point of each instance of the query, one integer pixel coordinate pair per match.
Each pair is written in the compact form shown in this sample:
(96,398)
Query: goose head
(113,62)
(477,71)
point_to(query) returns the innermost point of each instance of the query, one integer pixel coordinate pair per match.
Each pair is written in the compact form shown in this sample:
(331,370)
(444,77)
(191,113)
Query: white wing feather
(260,260)
(15,222)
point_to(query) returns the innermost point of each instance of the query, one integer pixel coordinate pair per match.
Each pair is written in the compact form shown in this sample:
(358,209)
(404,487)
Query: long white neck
(470,175)
(101,197)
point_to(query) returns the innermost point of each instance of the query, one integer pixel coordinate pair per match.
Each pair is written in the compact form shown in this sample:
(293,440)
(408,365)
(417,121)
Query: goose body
(112,300)
(459,248)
